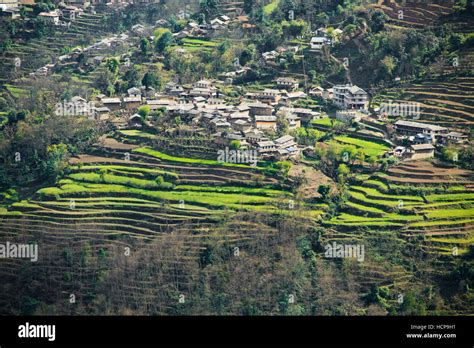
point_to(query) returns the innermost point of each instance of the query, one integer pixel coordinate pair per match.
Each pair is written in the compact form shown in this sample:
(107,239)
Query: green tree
(235,144)
(149,80)
(324,191)
(165,41)
(112,65)
(144,111)
(144,46)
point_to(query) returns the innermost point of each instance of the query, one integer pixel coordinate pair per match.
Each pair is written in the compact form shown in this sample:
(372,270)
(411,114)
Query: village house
(266,122)
(51,17)
(328,94)
(318,42)
(305,115)
(411,128)
(10,12)
(113,104)
(138,29)
(288,83)
(399,151)
(102,113)
(77,3)
(422,151)
(203,84)
(135,121)
(269,96)
(456,138)
(286,146)
(266,148)
(316,91)
(421,139)
(253,136)
(132,103)
(293,121)
(241,125)
(260,109)
(291,97)
(134,92)
(350,97)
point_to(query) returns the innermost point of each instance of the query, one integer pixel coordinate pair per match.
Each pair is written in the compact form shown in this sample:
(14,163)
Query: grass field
(272,6)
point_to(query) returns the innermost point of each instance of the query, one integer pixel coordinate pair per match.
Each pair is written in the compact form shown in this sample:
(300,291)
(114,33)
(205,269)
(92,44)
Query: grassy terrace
(326,121)
(203,162)
(137,133)
(374,205)
(370,148)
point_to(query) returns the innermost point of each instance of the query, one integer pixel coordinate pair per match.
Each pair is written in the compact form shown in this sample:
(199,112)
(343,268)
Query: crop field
(416,15)
(370,148)
(380,203)
(447,103)
(109,204)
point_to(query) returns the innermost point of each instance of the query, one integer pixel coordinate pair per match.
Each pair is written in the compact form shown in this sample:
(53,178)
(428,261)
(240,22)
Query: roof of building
(265,143)
(284,139)
(132,99)
(419,125)
(110,100)
(265,118)
(422,147)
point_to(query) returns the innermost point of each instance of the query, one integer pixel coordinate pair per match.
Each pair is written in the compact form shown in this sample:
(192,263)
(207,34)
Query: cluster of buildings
(422,138)
(200,107)
(194,29)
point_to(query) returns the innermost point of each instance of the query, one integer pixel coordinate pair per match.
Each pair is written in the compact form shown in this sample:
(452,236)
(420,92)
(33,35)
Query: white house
(350,97)
(318,42)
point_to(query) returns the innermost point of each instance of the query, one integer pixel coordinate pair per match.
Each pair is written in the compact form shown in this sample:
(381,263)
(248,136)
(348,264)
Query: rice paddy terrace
(133,196)
(415,203)
(38,52)
(447,102)
(414,14)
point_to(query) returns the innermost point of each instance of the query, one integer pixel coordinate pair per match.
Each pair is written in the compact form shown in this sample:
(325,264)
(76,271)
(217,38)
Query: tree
(342,172)
(144,46)
(248,6)
(324,191)
(165,40)
(377,20)
(247,55)
(209,8)
(149,80)
(235,144)
(282,125)
(144,111)
(388,65)
(112,65)
(295,28)
(56,160)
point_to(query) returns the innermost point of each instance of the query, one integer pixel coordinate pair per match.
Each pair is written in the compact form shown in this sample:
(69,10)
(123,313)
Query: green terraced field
(370,148)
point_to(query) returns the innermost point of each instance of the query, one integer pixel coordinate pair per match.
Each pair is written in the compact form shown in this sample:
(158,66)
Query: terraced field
(38,52)
(149,202)
(438,213)
(414,14)
(447,103)
(432,207)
